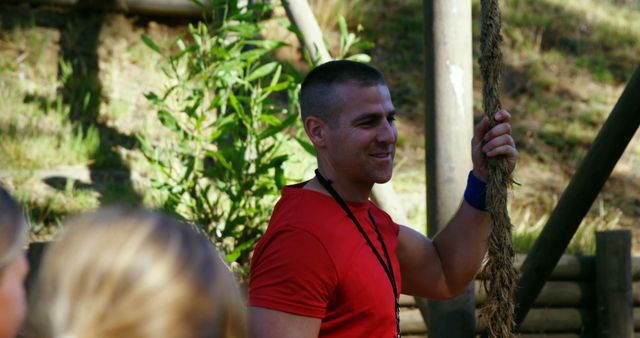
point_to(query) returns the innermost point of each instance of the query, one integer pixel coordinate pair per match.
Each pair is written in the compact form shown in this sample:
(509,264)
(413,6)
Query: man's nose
(387,133)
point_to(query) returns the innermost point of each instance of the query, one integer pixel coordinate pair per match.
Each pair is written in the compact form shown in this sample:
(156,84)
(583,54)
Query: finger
(498,130)
(497,142)
(504,150)
(480,130)
(502,115)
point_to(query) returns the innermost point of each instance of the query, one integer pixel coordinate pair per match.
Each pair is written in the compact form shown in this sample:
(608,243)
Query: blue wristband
(476,192)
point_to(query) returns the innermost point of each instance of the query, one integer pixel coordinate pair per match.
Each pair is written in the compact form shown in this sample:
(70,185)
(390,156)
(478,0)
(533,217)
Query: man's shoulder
(301,212)
(384,220)
(302,206)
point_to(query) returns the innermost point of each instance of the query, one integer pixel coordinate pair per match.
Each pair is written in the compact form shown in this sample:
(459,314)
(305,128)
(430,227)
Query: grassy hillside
(567,64)
(72,88)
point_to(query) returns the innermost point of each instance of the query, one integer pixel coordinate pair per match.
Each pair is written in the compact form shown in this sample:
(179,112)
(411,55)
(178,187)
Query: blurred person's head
(134,273)
(13,265)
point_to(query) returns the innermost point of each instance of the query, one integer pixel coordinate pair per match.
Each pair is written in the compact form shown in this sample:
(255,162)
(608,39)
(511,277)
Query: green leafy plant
(229,106)
(350,40)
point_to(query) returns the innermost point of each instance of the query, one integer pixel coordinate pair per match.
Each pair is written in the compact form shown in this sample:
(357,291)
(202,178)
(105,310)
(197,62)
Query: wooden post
(613,284)
(449,129)
(579,195)
(301,15)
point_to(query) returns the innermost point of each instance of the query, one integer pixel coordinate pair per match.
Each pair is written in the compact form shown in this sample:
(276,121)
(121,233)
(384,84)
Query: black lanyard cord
(388,268)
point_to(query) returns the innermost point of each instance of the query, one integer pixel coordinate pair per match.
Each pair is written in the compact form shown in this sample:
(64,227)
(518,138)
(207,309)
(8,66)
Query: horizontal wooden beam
(576,267)
(173,8)
(558,294)
(553,322)
(553,294)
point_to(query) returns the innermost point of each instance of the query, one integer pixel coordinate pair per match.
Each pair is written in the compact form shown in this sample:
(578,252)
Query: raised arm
(443,267)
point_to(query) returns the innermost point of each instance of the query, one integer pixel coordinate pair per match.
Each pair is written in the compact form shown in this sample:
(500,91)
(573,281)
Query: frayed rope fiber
(498,310)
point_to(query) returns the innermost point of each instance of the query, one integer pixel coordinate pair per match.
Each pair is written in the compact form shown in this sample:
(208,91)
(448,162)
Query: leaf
(277,128)
(168,92)
(281,181)
(153,97)
(277,87)
(190,165)
(252,55)
(365,45)
(243,29)
(237,107)
(146,149)
(307,146)
(267,45)
(270,119)
(221,159)
(349,40)
(192,109)
(168,120)
(184,148)
(176,190)
(307,57)
(342,23)
(181,45)
(262,71)
(277,161)
(183,50)
(237,251)
(147,41)
(276,76)
(360,58)
(219,127)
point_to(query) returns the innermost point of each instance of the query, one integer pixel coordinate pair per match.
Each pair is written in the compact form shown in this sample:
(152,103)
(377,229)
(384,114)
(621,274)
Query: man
(331,263)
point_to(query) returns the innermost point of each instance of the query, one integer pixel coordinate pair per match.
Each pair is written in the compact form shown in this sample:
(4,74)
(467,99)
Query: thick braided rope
(499,308)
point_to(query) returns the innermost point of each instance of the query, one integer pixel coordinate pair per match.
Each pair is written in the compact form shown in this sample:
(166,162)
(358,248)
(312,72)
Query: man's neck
(348,192)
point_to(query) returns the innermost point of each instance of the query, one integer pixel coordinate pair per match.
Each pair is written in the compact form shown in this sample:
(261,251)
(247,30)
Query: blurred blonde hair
(134,273)
(13,229)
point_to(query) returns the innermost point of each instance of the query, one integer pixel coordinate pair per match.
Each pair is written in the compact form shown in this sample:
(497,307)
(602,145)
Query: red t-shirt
(312,261)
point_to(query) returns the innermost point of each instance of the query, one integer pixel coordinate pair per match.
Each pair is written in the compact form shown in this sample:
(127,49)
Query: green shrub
(228,105)
(233,111)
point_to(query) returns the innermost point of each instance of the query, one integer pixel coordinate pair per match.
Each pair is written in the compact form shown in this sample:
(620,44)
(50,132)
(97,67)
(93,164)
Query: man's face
(361,145)
(12,296)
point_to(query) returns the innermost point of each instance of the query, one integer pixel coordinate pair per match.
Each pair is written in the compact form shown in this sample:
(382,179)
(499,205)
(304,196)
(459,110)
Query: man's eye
(367,123)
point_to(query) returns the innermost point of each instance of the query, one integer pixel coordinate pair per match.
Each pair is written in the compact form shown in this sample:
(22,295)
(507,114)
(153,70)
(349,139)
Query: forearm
(443,267)
(462,246)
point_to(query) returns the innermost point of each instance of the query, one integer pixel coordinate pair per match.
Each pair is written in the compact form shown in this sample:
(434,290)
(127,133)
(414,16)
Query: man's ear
(315,129)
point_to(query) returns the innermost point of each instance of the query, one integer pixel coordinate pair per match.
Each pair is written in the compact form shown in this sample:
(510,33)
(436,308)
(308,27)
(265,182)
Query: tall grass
(529,224)
(37,134)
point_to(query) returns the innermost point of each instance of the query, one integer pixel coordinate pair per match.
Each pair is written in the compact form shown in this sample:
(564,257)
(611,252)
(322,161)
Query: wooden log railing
(564,308)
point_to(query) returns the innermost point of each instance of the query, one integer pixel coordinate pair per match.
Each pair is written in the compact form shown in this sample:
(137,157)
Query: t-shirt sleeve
(292,272)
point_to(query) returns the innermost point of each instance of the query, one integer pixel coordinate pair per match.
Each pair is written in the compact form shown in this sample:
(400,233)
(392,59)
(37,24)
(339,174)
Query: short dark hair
(318,96)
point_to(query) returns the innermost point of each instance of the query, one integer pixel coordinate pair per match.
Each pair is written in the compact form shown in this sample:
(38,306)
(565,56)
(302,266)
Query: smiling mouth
(381,155)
